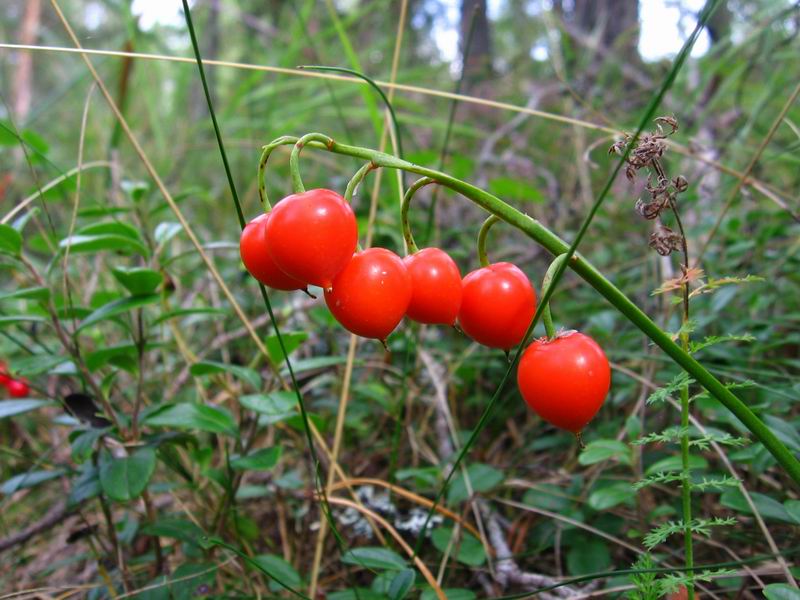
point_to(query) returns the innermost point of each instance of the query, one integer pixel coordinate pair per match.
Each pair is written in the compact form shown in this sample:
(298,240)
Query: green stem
(686,488)
(547,318)
(357,179)
(483,258)
(262,168)
(294,158)
(555,245)
(420,183)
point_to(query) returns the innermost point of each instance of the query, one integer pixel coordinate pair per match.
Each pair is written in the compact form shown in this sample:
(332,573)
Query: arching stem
(353,184)
(547,318)
(487,225)
(420,183)
(294,158)
(262,168)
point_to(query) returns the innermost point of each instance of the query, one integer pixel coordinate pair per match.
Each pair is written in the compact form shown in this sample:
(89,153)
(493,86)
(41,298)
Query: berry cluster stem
(409,237)
(294,157)
(483,258)
(547,317)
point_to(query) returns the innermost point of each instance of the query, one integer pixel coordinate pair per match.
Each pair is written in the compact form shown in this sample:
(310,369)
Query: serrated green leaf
(260,460)
(188,415)
(10,240)
(139,281)
(117,307)
(125,478)
(374,558)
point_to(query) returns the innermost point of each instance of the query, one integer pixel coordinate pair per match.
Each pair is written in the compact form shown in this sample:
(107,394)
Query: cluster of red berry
(17,388)
(311,238)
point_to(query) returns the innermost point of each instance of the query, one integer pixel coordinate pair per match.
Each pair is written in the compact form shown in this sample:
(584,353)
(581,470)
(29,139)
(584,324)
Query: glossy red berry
(4,376)
(497,305)
(18,388)
(312,236)
(371,295)
(256,259)
(565,380)
(436,287)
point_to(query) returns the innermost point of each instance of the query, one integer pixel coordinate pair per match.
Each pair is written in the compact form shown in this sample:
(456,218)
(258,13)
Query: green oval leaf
(401,584)
(28,480)
(82,244)
(186,415)
(138,280)
(600,450)
(374,558)
(125,478)
(10,240)
(470,549)
(207,367)
(260,460)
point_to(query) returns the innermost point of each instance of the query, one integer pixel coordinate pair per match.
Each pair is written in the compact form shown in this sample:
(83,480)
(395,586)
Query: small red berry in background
(312,235)
(371,295)
(565,380)
(18,388)
(497,305)
(4,376)
(436,283)
(256,259)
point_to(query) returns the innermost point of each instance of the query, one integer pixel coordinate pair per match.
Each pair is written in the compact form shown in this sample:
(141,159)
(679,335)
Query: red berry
(436,283)
(312,236)
(497,305)
(371,295)
(256,259)
(18,388)
(566,380)
(4,377)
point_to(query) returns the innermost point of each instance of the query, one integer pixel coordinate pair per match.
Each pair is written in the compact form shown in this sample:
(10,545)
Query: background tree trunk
(478,60)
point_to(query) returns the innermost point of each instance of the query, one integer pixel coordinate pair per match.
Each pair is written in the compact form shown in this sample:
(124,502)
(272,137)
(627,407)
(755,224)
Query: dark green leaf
(41,363)
(118,307)
(590,556)
(125,478)
(10,240)
(179,529)
(781,591)
(260,460)
(28,480)
(600,450)
(85,486)
(279,569)
(470,549)
(208,367)
(187,415)
(139,281)
(673,463)
(769,508)
(33,293)
(10,408)
(189,580)
(482,477)
(374,558)
(793,509)
(402,584)
(291,340)
(611,495)
(274,407)
(79,244)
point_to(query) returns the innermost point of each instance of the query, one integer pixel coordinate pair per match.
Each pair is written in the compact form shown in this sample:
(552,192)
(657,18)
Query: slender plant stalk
(547,317)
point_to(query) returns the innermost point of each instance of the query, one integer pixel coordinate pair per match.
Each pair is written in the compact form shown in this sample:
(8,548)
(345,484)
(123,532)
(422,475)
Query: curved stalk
(262,168)
(417,185)
(357,179)
(555,245)
(547,317)
(294,158)
(483,258)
